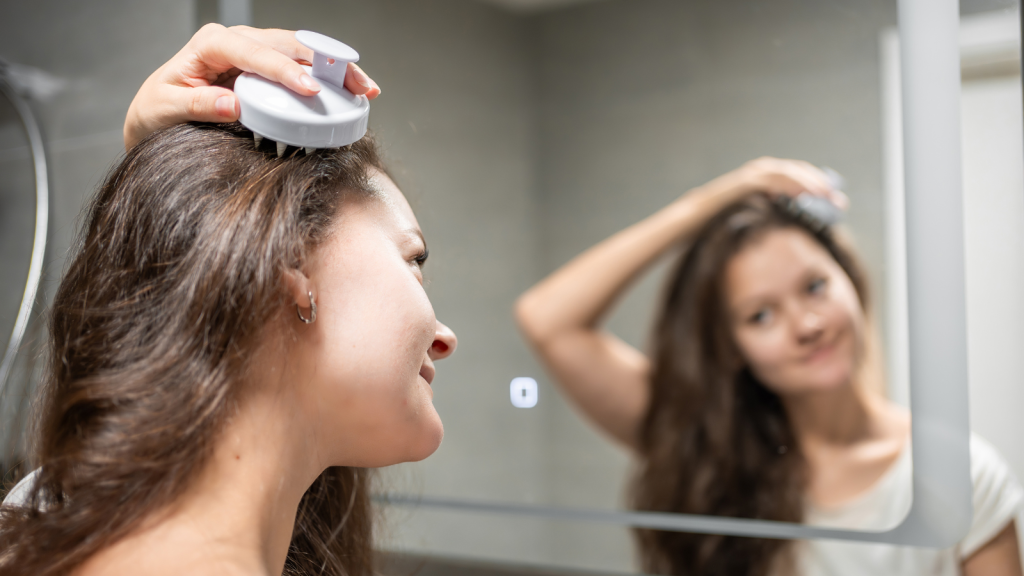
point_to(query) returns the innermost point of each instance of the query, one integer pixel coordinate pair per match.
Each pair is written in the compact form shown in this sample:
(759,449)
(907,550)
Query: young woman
(762,396)
(237,337)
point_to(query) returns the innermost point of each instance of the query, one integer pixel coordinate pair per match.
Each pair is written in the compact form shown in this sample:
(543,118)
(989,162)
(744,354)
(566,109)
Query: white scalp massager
(819,212)
(332,118)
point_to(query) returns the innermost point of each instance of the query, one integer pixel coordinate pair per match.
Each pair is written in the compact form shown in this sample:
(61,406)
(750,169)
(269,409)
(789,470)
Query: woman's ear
(299,288)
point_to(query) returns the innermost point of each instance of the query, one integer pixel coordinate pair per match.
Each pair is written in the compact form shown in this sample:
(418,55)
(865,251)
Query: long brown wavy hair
(177,271)
(714,439)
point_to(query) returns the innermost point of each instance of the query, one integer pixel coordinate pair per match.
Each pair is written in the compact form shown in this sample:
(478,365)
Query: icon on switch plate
(523,392)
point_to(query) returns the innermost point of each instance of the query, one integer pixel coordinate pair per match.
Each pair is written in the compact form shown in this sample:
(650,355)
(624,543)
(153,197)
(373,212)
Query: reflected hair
(714,440)
(177,271)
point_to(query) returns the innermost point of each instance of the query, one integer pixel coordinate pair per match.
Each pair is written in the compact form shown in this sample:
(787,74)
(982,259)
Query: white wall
(993,155)
(994,229)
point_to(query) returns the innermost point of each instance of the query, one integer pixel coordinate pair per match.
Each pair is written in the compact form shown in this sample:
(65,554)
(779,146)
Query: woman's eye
(761,317)
(421,259)
(816,286)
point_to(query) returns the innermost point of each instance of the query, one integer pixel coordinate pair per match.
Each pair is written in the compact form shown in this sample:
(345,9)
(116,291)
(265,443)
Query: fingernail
(361,78)
(377,87)
(310,84)
(225,106)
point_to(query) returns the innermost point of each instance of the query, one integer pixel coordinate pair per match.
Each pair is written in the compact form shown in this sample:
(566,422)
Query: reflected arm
(999,557)
(560,316)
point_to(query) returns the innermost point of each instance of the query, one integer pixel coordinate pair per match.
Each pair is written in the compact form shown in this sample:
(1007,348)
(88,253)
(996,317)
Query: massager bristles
(281,146)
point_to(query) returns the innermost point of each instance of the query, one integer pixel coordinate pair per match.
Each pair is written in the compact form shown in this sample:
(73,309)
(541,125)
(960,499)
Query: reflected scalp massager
(816,211)
(332,118)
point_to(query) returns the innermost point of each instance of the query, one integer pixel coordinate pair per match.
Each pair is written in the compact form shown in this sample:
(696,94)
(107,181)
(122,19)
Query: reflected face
(369,357)
(794,313)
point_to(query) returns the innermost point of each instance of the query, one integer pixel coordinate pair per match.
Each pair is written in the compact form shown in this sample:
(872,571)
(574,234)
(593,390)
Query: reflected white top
(882,507)
(997,501)
(18,496)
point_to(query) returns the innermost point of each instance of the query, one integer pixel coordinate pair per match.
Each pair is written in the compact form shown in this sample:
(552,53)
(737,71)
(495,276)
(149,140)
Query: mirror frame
(9,87)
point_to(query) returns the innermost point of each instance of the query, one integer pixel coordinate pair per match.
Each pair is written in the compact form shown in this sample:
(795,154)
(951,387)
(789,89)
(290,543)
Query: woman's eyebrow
(753,299)
(417,233)
(746,308)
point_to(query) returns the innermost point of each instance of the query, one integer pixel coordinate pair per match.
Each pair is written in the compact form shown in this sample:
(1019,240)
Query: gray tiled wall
(520,140)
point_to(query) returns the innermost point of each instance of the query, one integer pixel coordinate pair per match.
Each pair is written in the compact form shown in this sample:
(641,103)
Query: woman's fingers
(222,49)
(840,199)
(821,184)
(357,82)
(794,177)
(281,40)
(203,104)
(807,177)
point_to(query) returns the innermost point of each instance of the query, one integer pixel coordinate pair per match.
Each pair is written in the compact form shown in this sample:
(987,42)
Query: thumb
(204,104)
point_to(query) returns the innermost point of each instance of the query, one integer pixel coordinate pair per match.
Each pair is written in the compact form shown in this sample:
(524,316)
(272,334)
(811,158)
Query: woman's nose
(444,344)
(809,327)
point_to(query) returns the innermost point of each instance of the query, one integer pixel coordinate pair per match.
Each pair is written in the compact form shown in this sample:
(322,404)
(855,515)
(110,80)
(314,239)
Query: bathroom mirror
(523,138)
(17,211)
(23,215)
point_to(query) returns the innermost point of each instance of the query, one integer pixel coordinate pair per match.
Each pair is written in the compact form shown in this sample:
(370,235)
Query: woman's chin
(428,442)
(828,380)
(823,379)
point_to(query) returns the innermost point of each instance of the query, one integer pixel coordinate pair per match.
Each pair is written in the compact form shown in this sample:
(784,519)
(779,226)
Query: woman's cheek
(764,354)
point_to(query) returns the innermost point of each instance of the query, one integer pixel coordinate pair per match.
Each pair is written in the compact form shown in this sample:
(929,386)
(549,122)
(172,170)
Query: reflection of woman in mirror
(763,394)
(236,338)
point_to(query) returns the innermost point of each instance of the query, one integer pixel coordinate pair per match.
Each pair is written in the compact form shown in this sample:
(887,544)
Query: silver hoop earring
(312,306)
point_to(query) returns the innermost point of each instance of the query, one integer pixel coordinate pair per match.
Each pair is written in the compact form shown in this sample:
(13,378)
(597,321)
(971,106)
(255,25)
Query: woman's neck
(238,516)
(842,415)
(249,493)
(856,411)
(850,437)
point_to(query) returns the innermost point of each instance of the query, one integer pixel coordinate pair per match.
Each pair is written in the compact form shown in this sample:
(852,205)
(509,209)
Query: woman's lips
(822,351)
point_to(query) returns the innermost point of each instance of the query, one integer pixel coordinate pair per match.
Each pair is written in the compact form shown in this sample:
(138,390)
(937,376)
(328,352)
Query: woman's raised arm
(561,315)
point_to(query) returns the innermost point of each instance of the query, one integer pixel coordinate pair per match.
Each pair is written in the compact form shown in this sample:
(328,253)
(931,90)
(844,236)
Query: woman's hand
(196,83)
(777,177)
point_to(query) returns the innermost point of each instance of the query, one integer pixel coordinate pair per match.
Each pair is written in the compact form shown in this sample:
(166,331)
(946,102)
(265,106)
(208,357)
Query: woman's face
(368,359)
(794,313)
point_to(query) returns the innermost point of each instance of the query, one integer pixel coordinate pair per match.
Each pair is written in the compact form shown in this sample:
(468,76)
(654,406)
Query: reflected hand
(776,177)
(196,83)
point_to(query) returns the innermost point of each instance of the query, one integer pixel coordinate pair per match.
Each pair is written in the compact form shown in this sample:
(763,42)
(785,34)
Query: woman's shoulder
(163,550)
(997,495)
(986,461)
